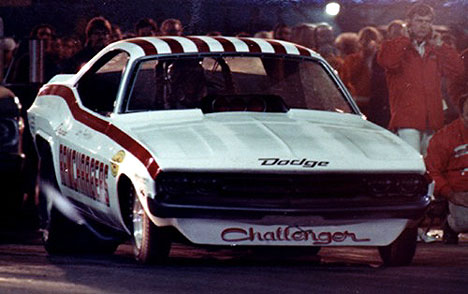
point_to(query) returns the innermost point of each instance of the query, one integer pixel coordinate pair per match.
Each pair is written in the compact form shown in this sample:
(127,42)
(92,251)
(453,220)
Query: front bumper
(338,209)
(256,195)
(290,232)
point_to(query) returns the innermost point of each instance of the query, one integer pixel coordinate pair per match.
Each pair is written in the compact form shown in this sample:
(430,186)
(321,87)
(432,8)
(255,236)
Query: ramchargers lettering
(296,162)
(288,235)
(84,174)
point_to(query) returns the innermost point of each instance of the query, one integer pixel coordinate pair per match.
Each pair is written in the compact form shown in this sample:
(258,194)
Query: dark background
(227,16)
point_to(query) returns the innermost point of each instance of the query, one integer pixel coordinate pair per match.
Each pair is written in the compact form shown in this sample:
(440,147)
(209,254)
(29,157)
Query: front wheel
(151,244)
(401,251)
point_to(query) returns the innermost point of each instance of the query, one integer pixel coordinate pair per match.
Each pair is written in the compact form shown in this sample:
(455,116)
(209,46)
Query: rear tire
(63,236)
(60,235)
(151,244)
(401,251)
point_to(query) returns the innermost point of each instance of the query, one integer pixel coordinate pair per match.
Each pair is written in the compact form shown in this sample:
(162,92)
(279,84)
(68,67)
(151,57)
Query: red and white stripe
(205,44)
(169,45)
(103,127)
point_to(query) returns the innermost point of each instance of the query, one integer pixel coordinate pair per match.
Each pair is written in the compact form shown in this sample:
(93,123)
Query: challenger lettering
(304,162)
(84,174)
(286,234)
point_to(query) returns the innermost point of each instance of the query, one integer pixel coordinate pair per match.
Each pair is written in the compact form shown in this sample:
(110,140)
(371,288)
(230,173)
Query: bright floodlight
(332,8)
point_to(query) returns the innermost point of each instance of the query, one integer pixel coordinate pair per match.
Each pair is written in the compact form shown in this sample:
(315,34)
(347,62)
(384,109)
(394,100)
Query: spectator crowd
(406,76)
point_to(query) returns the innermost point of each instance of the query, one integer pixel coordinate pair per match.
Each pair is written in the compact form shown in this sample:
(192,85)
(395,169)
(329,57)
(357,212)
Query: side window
(99,86)
(167,84)
(143,92)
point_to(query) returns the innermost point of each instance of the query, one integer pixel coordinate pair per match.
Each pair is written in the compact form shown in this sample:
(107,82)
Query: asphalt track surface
(25,267)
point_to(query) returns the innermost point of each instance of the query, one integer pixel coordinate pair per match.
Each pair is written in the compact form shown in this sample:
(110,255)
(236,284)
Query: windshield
(234,83)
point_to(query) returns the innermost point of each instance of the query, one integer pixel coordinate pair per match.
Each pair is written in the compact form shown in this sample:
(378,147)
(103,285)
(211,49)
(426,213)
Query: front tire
(401,251)
(151,244)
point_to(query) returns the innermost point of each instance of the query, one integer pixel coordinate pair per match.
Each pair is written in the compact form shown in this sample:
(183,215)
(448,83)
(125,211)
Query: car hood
(297,141)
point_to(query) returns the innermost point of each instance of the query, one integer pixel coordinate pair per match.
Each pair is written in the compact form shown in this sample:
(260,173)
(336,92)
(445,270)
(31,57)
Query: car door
(85,147)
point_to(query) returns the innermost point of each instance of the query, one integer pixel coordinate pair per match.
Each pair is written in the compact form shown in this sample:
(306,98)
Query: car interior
(232,83)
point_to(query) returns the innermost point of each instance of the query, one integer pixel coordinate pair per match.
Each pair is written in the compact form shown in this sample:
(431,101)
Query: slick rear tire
(151,244)
(63,237)
(401,251)
(60,235)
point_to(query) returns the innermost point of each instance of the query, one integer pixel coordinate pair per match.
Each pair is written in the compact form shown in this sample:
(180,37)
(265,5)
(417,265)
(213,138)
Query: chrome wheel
(151,244)
(137,220)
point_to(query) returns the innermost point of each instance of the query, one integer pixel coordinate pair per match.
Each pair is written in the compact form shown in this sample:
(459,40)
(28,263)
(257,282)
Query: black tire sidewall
(401,251)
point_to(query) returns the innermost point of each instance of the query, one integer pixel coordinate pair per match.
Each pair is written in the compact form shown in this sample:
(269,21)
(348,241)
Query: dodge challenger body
(218,141)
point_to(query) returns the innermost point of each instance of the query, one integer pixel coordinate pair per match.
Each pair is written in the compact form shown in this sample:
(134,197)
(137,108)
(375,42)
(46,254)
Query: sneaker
(450,236)
(424,237)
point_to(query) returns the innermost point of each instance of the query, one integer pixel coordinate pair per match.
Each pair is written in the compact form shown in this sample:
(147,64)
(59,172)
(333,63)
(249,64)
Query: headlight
(183,184)
(9,133)
(174,185)
(380,187)
(412,184)
(397,185)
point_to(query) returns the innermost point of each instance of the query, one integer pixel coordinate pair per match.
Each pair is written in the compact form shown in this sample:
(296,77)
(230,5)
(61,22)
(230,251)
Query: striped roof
(205,44)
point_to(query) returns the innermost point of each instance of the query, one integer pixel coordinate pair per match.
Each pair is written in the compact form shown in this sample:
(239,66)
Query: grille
(293,190)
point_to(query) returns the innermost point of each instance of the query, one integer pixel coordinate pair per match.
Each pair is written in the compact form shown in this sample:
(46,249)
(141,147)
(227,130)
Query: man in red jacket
(447,164)
(414,64)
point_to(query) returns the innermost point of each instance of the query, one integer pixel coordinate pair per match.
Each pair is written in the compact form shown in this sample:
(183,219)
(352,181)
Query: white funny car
(218,141)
